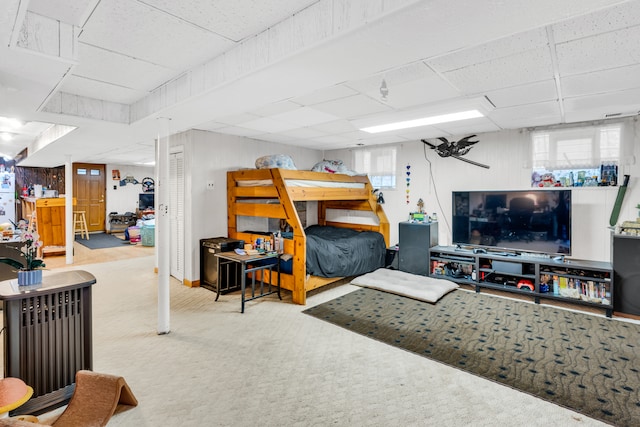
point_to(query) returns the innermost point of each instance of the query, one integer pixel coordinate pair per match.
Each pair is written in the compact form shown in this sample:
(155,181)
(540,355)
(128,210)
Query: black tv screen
(522,221)
(145,201)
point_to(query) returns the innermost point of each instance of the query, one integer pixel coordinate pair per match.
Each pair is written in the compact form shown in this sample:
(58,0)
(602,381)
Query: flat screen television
(536,220)
(145,201)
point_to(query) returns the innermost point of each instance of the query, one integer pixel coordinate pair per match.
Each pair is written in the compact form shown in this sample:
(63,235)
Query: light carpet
(274,366)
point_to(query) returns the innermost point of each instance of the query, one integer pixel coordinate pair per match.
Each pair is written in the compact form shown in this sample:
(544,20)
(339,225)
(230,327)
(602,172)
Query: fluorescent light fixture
(6,136)
(425,121)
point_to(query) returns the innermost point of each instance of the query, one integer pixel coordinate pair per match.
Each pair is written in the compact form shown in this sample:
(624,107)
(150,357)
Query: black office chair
(518,220)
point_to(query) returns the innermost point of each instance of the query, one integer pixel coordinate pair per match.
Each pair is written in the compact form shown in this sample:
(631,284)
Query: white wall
(208,157)
(433,178)
(123,199)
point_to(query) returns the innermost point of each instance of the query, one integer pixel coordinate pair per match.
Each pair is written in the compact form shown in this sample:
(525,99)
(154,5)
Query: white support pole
(163,242)
(69,235)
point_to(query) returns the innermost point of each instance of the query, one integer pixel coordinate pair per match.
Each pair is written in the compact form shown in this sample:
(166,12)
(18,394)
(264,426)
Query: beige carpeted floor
(275,366)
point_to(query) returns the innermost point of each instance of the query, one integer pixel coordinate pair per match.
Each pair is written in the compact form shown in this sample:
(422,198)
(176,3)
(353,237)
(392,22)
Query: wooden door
(89,189)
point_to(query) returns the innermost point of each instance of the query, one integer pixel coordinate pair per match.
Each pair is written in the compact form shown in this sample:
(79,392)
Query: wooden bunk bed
(249,190)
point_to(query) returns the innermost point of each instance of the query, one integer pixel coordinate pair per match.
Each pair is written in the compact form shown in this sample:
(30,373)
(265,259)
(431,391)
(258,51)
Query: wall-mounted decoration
(128,180)
(115,174)
(148,184)
(408,181)
(455,149)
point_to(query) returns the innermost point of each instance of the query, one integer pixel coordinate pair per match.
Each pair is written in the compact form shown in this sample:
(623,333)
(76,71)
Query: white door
(176,214)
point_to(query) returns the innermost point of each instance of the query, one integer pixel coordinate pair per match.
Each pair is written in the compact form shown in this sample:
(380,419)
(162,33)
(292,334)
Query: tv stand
(588,283)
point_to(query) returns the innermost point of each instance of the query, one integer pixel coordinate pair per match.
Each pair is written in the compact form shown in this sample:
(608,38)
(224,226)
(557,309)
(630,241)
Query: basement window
(579,156)
(379,164)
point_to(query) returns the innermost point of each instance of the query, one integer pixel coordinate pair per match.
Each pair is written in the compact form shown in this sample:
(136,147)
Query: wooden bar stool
(80,224)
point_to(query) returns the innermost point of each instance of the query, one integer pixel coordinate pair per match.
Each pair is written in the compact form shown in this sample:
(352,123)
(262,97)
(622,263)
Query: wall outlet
(211,185)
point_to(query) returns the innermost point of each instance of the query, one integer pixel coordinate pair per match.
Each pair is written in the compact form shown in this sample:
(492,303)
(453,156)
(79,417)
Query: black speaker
(415,239)
(626,280)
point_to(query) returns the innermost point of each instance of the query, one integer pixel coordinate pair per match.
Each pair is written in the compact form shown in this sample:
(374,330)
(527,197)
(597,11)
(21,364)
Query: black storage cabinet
(415,239)
(230,276)
(626,268)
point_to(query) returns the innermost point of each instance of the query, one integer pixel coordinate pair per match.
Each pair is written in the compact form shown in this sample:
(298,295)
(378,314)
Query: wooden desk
(243,260)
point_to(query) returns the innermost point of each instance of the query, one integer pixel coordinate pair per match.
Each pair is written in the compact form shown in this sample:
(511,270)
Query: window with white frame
(579,156)
(379,164)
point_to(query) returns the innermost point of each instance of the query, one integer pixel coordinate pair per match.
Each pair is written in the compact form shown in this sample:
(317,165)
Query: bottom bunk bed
(320,254)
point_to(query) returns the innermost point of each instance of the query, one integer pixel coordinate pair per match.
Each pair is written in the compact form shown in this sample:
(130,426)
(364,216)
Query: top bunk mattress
(300,183)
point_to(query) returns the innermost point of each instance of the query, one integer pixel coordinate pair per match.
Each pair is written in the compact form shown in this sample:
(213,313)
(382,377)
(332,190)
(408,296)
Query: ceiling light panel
(424,121)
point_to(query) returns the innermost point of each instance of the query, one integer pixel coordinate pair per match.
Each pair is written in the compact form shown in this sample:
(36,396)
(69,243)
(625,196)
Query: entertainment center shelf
(583,282)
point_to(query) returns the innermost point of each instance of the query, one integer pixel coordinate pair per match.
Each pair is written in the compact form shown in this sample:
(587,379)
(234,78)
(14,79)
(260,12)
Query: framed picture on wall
(115,174)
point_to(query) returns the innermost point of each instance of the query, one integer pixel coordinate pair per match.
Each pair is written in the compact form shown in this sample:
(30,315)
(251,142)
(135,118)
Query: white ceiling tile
(616,79)
(211,126)
(268,125)
(304,116)
(70,11)
(525,94)
(617,17)
(235,119)
(335,127)
(491,51)
(108,66)
(276,137)
(324,95)
(394,77)
(275,108)
(304,133)
(609,103)
(525,67)
(504,117)
(352,106)
(235,130)
(222,16)
(459,128)
(100,90)
(608,50)
(333,139)
(419,92)
(179,44)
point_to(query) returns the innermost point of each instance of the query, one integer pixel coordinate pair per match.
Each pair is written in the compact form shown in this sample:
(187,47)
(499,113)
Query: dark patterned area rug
(583,362)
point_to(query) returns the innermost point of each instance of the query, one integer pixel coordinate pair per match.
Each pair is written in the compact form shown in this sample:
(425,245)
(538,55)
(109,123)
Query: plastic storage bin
(147,233)
(134,234)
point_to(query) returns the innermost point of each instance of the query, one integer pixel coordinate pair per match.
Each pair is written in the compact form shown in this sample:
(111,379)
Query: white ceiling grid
(308,72)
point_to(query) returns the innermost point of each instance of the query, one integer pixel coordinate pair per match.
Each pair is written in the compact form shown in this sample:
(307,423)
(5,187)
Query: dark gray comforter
(337,252)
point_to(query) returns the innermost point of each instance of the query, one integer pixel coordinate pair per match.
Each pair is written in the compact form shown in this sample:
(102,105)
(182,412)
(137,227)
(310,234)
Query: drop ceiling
(305,72)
